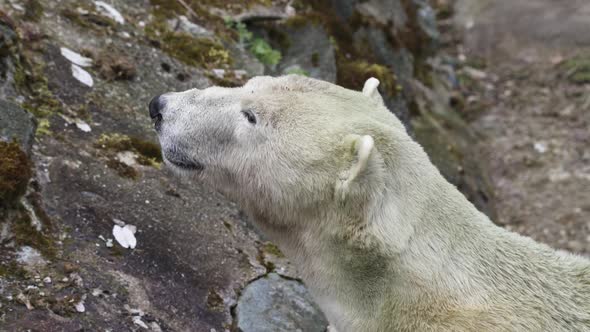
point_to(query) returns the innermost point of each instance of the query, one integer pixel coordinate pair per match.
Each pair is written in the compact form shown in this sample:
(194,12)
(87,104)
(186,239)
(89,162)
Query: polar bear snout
(155,107)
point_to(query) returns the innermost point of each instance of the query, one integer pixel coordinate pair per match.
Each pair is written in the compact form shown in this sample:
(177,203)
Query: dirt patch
(532,108)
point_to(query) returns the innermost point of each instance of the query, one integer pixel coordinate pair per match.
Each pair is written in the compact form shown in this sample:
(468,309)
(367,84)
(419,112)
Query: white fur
(382,240)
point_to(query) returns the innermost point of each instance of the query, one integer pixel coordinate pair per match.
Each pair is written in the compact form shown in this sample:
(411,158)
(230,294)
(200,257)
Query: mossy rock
(32,82)
(353,74)
(119,142)
(193,51)
(16,124)
(25,234)
(197,52)
(148,153)
(86,16)
(33,10)
(15,172)
(122,169)
(12,270)
(577,69)
(272,249)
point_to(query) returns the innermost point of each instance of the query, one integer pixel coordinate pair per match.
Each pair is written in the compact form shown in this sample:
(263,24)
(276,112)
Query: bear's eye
(249,115)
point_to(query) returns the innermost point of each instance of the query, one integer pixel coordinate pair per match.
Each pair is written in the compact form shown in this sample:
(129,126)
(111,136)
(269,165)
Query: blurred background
(497,92)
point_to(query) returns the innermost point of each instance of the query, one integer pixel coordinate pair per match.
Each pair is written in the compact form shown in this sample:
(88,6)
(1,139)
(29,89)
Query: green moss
(30,81)
(296,71)
(259,47)
(264,52)
(12,270)
(281,38)
(304,19)
(117,251)
(42,105)
(171,8)
(581,77)
(25,234)
(580,62)
(272,249)
(82,112)
(43,128)
(118,143)
(229,79)
(577,69)
(90,19)
(244,35)
(166,8)
(33,10)
(197,52)
(146,148)
(15,172)
(148,153)
(315,59)
(353,74)
(215,301)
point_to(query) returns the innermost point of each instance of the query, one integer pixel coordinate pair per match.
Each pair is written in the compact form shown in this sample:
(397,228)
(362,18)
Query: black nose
(156,106)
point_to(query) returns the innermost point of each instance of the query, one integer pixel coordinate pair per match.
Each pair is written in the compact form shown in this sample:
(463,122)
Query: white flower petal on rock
(82,75)
(124,236)
(110,11)
(83,126)
(137,321)
(132,228)
(80,306)
(76,58)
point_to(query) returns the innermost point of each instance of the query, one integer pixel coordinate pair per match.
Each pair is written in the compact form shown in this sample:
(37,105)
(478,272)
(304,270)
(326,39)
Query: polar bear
(381,239)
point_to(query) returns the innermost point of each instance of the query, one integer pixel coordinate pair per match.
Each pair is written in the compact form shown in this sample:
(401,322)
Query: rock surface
(311,52)
(16,124)
(273,303)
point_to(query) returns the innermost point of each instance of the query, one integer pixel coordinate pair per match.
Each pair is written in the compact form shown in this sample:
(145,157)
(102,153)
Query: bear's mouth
(183,162)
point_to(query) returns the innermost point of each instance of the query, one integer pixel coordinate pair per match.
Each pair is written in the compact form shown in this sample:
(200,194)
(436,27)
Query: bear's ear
(370,89)
(361,147)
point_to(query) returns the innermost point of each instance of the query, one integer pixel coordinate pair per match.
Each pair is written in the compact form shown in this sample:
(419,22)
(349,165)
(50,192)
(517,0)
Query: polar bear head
(281,147)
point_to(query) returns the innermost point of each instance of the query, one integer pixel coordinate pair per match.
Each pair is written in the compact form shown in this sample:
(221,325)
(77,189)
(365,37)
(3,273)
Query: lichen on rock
(15,172)
(146,153)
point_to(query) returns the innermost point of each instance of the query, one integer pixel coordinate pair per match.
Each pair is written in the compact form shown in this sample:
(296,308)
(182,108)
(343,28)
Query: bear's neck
(412,236)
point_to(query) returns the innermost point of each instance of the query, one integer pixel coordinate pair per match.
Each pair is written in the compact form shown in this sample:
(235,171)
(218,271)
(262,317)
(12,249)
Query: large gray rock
(385,12)
(413,23)
(345,8)
(448,140)
(311,51)
(426,18)
(8,42)
(17,124)
(273,303)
